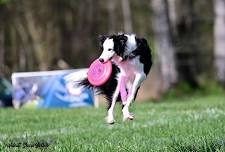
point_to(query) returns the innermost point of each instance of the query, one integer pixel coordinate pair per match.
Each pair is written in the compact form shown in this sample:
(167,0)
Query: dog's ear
(120,45)
(123,39)
(102,38)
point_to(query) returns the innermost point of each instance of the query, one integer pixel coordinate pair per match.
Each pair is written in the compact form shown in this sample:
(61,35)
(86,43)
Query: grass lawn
(184,124)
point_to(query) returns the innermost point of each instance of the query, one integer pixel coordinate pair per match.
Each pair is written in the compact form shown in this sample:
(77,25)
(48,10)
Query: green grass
(184,124)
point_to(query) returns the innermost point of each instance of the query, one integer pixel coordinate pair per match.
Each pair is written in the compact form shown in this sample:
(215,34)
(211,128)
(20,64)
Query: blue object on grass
(55,95)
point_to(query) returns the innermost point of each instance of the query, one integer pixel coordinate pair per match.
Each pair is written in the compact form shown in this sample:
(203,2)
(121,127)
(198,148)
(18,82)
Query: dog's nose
(101,60)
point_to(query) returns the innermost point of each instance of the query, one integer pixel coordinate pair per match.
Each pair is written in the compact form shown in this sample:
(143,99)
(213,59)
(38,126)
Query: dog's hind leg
(139,78)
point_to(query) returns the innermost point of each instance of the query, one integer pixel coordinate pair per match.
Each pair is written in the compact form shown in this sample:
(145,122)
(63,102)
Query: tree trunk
(127,16)
(172,15)
(163,43)
(219,39)
(2,50)
(112,16)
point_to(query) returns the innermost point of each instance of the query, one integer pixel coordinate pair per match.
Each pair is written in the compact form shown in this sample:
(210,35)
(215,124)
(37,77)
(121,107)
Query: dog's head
(111,46)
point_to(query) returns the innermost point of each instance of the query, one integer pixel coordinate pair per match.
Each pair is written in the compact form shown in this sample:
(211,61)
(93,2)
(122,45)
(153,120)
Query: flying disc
(99,73)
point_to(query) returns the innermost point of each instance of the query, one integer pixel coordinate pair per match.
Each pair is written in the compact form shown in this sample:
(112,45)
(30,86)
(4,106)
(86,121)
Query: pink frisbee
(99,73)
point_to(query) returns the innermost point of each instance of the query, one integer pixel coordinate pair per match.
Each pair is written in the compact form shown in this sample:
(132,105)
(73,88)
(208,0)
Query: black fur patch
(144,51)
(120,45)
(102,38)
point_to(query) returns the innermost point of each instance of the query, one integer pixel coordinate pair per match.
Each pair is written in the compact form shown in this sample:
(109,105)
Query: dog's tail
(106,89)
(77,76)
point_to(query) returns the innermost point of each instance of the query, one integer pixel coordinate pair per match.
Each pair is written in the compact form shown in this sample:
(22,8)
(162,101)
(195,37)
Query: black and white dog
(131,58)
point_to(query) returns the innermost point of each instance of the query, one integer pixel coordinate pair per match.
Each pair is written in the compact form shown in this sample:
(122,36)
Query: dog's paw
(128,116)
(110,120)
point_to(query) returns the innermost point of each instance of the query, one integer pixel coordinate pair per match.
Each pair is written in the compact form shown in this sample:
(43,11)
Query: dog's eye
(109,49)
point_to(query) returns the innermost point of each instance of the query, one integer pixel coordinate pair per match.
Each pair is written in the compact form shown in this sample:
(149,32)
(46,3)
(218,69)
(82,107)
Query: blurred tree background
(187,37)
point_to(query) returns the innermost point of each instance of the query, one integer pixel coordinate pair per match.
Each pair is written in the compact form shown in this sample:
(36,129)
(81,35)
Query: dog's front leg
(110,116)
(139,78)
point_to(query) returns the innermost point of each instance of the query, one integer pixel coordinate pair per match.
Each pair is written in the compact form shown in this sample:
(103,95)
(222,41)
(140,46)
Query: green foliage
(196,124)
(4,1)
(184,89)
